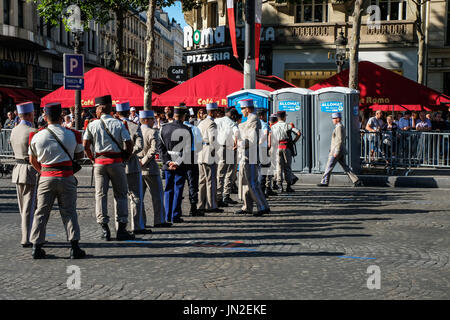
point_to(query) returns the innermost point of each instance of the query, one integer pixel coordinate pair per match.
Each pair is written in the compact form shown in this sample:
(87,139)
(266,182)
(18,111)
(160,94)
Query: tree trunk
(119,45)
(150,41)
(420,5)
(354,44)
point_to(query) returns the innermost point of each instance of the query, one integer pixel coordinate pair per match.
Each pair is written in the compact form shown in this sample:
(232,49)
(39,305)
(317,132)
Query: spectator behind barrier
(423,124)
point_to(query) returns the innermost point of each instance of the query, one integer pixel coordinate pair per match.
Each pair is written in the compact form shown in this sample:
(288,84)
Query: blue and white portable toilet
(325,102)
(297,104)
(261,99)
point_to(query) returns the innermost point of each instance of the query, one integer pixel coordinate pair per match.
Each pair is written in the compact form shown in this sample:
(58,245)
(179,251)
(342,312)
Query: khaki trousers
(250,188)
(26,198)
(207,186)
(65,190)
(284,162)
(154,183)
(136,196)
(332,161)
(102,175)
(225,172)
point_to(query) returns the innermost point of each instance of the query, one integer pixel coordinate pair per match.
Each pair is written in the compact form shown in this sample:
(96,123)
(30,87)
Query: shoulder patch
(31,135)
(78,136)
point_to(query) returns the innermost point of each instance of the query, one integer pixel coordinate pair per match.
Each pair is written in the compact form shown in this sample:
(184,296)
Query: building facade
(302,47)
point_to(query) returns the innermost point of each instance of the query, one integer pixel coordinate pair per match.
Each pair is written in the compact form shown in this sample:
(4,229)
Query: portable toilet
(325,102)
(261,99)
(297,104)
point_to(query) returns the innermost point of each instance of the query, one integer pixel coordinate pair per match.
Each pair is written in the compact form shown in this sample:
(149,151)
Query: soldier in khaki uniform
(133,170)
(107,135)
(337,153)
(24,175)
(150,169)
(281,134)
(51,152)
(249,186)
(207,185)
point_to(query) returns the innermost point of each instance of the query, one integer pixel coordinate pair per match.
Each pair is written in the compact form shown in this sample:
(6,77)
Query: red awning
(20,94)
(274,82)
(379,86)
(213,85)
(99,82)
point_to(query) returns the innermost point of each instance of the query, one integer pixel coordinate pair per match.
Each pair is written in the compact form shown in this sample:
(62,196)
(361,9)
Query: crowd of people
(131,150)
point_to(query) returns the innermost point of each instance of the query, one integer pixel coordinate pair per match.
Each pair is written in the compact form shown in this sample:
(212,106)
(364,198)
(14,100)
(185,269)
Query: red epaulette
(126,124)
(31,135)
(78,136)
(87,121)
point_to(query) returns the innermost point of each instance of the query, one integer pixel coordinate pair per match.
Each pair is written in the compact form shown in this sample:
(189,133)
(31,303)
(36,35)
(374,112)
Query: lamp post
(341,51)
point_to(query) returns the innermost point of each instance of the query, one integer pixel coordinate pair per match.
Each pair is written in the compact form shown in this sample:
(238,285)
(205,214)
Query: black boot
(106,233)
(37,252)
(275,186)
(228,200)
(222,204)
(289,189)
(123,234)
(270,192)
(76,252)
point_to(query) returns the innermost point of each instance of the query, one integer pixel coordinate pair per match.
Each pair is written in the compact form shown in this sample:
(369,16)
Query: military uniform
(150,171)
(281,134)
(56,181)
(207,164)
(133,171)
(337,154)
(227,132)
(192,168)
(24,175)
(249,186)
(174,146)
(109,166)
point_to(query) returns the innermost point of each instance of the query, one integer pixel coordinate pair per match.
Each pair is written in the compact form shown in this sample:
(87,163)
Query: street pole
(78,124)
(249,61)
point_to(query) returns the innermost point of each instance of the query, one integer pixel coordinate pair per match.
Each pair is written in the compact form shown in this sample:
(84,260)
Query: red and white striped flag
(232,24)
(258,12)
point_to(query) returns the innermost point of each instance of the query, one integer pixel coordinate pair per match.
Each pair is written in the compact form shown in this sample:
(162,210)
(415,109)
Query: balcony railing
(388,32)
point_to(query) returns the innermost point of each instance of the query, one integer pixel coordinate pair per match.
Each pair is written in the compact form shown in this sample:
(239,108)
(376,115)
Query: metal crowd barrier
(405,149)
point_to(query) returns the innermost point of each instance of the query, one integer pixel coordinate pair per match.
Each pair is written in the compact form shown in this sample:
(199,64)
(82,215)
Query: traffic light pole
(249,61)
(78,124)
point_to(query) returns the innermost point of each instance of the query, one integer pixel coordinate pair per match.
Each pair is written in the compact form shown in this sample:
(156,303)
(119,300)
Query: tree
(101,11)
(420,31)
(187,5)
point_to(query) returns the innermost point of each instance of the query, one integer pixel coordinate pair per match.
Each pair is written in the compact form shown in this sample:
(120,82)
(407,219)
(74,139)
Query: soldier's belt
(205,143)
(282,144)
(61,169)
(108,155)
(175,153)
(22,161)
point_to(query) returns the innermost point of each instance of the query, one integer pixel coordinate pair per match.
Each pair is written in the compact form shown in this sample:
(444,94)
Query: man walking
(107,135)
(207,163)
(249,186)
(133,170)
(337,153)
(24,175)
(51,152)
(227,134)
(150,169)
(281,132)
(175,150)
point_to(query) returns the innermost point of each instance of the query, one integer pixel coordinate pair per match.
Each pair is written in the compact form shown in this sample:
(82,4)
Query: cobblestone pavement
(317,244)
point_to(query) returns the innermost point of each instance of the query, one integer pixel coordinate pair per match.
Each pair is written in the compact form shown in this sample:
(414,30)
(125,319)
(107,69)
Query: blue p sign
(73,65)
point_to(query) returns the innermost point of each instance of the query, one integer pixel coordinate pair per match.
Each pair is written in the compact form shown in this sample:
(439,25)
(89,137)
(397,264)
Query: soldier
(133,170)
(192,168)
(175,150)
(150,169)
(337,153)
(227,134)
(51,152)
(24,175)
(271,178)
(265,144)
(207,163)
(250,189)
(107,135)
(281,132)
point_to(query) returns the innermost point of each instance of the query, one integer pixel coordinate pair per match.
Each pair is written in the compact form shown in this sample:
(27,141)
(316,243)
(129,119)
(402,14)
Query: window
(199,18)
(20,13)
(49,30)
(312,11)
(6,4)
(213,15)
(240,22)
(391,9)
(447,83)
(448,25)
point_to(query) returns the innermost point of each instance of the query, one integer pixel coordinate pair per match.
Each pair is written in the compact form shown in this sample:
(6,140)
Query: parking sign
(73,65)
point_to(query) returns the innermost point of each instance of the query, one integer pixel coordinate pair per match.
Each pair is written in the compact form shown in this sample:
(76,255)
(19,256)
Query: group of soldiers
(207,154)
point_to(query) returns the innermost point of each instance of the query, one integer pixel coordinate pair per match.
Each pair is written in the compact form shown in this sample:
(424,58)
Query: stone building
(302,48)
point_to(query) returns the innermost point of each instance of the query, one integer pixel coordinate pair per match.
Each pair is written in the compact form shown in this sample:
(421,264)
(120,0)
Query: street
(318,243)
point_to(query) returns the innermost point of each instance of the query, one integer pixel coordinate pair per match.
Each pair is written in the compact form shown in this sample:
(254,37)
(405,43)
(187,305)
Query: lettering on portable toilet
(356,110)
(332,106)
(289,106)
